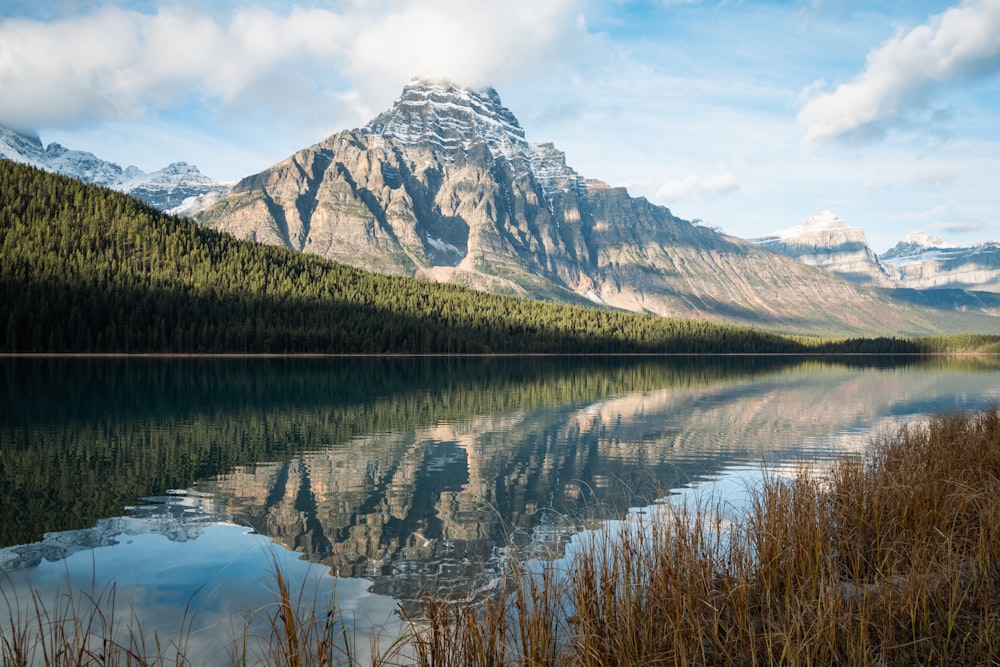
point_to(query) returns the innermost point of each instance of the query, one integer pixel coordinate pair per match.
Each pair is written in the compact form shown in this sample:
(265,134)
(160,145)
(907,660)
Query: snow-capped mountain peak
(925,240)
(826,241)
(918,261)
(82,165)
(167,189)
(924,262)
(26,145)
(824,221)
(451,118)
(918,247)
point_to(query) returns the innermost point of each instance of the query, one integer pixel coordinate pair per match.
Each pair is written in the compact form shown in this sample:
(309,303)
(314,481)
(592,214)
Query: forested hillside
(86,269)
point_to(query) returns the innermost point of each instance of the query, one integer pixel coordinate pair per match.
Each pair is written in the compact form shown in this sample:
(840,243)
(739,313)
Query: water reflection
(83,438)
(177,517)
(427,508)
(181,563)
(405,475)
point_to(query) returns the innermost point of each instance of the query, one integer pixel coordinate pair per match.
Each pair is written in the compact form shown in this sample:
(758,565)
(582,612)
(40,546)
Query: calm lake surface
(181,481)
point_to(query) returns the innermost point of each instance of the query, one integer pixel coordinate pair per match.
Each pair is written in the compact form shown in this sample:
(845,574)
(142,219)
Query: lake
(174,484)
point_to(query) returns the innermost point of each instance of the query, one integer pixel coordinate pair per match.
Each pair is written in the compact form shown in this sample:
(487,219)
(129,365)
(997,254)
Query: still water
(175,484)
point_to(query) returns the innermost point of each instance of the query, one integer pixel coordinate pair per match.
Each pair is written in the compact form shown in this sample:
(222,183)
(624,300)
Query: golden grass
(306,631)
(80,629)
(891,558)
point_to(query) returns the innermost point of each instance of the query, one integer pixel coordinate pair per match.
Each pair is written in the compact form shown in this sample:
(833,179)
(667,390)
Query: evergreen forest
(86,269)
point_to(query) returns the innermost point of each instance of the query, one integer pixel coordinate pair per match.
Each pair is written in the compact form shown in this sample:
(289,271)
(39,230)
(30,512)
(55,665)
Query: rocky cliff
(444,186)
(826,241)
(920,261)
(953,276)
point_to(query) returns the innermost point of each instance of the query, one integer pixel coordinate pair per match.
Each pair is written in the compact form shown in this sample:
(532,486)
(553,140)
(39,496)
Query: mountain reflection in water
(418,474)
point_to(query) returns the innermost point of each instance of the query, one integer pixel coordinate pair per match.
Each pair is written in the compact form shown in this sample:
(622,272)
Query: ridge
(175,188)
(451,119)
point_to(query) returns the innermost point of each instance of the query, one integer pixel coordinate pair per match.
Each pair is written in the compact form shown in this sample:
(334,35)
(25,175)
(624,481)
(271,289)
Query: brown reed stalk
(889,558)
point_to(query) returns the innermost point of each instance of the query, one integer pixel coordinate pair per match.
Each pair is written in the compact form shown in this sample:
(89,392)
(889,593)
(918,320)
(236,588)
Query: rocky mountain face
(824,240)
(175,188)
(444,186)
(920,261)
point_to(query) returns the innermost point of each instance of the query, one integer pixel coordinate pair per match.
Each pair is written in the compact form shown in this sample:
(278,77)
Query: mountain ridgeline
(968,275)
(444,186)
(174,188)
(87,269)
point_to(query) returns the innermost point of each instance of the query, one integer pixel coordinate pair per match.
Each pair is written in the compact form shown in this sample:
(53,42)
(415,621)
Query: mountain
(174,188)
(89,269)
(444,186)
(920,261)
(824,240)
(920,269)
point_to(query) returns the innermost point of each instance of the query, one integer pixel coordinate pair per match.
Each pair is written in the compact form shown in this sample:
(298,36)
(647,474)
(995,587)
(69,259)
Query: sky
(749,116)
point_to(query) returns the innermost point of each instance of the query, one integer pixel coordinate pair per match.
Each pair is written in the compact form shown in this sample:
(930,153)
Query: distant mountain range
(919,261)
(175,188)
(443,186)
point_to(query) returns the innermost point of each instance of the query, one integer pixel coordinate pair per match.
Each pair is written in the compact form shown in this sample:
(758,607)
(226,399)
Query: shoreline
(449,355)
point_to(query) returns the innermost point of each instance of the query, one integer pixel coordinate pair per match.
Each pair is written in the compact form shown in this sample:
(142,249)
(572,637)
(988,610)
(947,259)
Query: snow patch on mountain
(824,221)
(918,247)
(451,119)
(548,164)
(922,261)
(825,241)
(175,188)
(443,246)
(926,240)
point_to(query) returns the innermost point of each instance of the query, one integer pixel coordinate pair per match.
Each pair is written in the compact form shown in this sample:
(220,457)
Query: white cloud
(713,184)
(933,174)
(933,212)
(118,63)
(720,183)
(961,43)
(963,226)
(674,190)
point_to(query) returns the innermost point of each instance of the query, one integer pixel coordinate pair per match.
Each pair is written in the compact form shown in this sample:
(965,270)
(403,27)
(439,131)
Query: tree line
(89,270)
(86,269)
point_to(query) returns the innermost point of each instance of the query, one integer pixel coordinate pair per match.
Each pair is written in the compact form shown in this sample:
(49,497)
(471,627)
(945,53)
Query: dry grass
(888,559)
(80,629)
(303,630)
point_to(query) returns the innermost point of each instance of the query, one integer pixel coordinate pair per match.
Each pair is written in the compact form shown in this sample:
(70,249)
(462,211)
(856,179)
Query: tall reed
(303,628)
(892,558)
(81,628)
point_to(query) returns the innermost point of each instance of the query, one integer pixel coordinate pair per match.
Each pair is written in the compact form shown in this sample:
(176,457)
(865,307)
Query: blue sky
(749,115)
